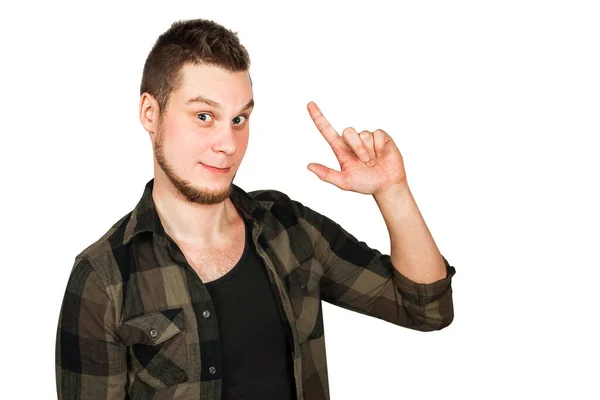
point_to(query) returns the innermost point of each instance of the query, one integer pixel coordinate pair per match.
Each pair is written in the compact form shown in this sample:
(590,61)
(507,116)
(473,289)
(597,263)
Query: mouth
(216,169)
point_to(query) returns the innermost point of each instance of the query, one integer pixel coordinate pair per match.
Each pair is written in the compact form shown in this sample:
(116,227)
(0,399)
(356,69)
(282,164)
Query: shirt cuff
(423,293)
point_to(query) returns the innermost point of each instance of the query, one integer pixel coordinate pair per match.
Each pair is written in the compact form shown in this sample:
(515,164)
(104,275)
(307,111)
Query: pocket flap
(153,328)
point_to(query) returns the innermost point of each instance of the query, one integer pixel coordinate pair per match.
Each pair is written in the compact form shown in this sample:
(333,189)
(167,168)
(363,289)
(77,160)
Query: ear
(149,113)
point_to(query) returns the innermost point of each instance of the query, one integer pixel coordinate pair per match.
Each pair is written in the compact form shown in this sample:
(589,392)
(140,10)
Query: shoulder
(288,210)
(100,254)
(278,202)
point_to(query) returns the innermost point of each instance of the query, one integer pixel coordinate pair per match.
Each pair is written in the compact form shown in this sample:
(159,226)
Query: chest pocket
(157,349)
(304,289)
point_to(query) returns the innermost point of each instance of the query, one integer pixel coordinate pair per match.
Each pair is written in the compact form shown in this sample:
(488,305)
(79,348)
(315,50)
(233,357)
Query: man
(205,291)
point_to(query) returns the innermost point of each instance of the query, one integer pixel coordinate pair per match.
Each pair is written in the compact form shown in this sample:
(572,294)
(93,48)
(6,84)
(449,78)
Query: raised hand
(369,161)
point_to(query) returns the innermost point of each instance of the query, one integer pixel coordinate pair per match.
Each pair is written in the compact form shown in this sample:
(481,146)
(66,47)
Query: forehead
(231,89)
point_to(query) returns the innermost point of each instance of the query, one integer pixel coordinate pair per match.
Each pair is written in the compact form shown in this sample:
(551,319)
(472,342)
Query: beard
(191,192)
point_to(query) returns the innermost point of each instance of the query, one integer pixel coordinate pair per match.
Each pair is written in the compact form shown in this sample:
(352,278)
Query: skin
(371,163)
(192,202)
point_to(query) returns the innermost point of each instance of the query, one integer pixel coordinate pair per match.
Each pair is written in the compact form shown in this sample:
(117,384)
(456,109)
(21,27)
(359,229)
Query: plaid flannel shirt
(138,323)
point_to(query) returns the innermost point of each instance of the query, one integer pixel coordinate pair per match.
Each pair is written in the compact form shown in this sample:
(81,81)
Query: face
(205,125)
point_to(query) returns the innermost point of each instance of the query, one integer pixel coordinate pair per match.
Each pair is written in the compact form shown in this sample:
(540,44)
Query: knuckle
(348,131)
(323,125)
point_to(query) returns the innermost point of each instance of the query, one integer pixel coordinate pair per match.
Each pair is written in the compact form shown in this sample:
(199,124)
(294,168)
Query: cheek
(242,142)
(183,145)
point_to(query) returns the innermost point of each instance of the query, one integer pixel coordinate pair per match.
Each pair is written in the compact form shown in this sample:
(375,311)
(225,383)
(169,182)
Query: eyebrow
(212,103)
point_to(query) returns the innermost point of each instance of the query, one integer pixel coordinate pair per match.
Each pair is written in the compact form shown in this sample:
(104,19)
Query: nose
(225,141)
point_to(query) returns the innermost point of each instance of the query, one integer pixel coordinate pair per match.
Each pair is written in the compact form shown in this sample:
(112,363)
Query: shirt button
(206,314)
(303,286)
(212,370)
(153,333)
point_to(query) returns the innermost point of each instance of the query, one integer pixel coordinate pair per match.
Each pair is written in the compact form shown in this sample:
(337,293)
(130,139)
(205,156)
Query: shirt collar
(144,217)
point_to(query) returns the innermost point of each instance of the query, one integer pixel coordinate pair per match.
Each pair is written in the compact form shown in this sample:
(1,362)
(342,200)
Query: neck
(191,223)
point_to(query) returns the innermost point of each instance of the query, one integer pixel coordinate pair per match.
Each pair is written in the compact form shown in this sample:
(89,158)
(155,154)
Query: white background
(494,106)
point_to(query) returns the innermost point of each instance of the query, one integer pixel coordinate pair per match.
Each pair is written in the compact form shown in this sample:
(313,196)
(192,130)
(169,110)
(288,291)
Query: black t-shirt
(257,362)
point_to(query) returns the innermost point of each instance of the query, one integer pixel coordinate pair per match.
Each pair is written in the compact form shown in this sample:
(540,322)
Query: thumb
(327,174)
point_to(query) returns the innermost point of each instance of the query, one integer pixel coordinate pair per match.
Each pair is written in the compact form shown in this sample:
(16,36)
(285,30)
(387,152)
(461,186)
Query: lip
(215,169)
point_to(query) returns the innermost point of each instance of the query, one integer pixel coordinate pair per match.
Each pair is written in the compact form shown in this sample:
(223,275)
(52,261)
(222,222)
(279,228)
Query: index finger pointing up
(322,124)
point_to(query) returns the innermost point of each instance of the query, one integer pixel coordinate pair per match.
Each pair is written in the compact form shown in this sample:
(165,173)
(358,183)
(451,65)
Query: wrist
(396,192)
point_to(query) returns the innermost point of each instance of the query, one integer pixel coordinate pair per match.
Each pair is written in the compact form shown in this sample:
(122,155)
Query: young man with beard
(204,291)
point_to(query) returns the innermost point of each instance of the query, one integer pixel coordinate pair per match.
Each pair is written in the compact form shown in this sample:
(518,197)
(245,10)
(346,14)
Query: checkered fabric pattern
(138,323)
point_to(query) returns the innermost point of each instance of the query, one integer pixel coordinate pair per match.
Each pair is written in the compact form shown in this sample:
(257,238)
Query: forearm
(413,251)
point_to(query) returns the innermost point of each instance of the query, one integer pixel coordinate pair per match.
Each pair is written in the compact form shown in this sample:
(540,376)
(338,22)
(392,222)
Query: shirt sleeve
(362,279)
(90,360)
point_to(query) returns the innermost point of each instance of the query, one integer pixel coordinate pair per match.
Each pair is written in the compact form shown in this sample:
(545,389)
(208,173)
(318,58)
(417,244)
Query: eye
(205,117)
(240,119)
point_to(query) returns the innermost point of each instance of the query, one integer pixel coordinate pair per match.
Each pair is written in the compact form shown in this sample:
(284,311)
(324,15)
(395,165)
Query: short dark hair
(196,41)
